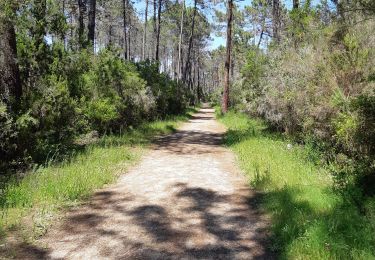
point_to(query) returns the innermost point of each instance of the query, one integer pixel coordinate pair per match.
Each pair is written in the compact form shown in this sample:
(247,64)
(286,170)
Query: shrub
(80,92)
(8,137)
(319,88)
(55,117)
(170,97)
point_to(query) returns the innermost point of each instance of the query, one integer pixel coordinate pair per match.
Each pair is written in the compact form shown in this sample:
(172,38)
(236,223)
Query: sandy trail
(185,200)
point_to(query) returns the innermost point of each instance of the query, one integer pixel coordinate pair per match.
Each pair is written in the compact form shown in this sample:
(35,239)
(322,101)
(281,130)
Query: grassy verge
(309,220)
(29,204)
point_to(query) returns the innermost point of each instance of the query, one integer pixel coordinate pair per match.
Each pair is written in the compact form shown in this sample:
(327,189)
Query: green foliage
(320,92)
(253,72)
(51,107)
(53,186)
(69,93)
(364,105)
(77,93)
(170,97)
(301,18)
(309,219)
(316,88)
(345,126)
(101,112)
(8,136)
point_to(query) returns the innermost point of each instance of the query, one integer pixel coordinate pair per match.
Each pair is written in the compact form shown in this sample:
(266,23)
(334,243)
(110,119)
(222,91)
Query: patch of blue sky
(216,40)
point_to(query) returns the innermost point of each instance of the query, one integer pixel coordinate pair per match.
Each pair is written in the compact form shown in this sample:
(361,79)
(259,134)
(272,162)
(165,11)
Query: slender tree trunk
(129,32)
(10,82)
(180,41)
(129,43)
(109,20)
(232,63)
(295,39)
(110,35)
(63,36)
(124,10)
(144,33)
(260,38)
(276,20)
(91,24)
(295,4)
(165,60)
(262,31)
(81,24)
(198,81)
(192,75)
(228,58)
(213,78)
(70,42)
(154,25)
(188,62)
(173,62)
(158,32)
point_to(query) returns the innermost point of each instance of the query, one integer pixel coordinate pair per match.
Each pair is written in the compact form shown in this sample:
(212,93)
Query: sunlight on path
(185,200)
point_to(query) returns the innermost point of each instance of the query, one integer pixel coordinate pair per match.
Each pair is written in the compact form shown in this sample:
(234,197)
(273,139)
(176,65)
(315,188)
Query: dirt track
(185,200)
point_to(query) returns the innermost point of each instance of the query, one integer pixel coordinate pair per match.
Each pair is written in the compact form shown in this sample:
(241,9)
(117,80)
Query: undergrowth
(309,219)
(29,203)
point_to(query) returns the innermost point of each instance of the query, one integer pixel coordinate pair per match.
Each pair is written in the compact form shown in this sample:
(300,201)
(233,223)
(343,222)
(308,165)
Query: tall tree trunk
(228,58)
(158,32)
(124,11)
(198,81)
(10,82)
(188,62)
(154,25)
(180,41)
(63,36)
(81,24)
(173,62)
(129,42)
(297,24)
(260,38)
(165,60)
(110,33)
(144,33)
(263,25)
(276,20)
(72,19)
(295,4)
(91,24)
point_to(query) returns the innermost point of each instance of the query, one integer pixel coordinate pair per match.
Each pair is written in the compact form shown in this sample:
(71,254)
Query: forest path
(186,199)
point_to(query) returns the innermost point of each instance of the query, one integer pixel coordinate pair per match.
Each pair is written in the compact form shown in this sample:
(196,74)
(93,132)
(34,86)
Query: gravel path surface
(186,199)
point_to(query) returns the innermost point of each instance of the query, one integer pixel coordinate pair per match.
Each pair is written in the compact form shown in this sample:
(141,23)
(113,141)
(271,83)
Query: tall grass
(309,220)
(37,196)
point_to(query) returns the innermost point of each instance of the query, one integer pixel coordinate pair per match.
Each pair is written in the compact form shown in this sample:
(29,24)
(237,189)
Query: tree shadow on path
(193,222)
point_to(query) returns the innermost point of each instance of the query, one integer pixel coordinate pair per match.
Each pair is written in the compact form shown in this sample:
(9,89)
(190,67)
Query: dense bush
(316,87)
(170,96)
(69,91)
(8,136)
(79,93)
(319,88)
